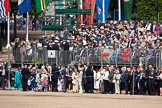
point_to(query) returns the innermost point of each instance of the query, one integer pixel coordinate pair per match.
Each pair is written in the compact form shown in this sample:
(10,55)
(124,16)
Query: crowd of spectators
(34,23)
(84,79)
(130,35)
(133,35)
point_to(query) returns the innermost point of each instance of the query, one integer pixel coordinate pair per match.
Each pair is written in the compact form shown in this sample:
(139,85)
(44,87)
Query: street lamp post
(14,2)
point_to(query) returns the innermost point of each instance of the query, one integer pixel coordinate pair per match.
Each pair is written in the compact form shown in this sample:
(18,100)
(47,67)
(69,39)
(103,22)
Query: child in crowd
(45,83)
(29,83)
(62,83)
(44,79)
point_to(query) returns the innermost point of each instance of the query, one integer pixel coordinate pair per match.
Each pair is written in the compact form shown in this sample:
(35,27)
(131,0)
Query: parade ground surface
(19,99)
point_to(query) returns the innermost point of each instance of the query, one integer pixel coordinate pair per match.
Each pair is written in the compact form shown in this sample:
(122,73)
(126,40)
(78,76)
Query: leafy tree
(149,9)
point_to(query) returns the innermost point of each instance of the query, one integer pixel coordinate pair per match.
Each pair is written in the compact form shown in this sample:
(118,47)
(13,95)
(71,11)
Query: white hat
(111,21)
(56,41)
(112,31)
(52,35)
(125,21)
(115,22)
(44,36)
(17,39)
(57,38)
(102,27)
(28,47)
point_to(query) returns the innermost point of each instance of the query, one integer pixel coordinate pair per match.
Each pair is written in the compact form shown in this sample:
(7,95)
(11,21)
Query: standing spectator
(29,83)
(69,80)
(160,82)
(18,79)
(110,79)
(65,73)
(148,26)
(106,74)
(90,79)
(116,78)
(80,77)
(44,79)
(158,28)
(147,72)
(49,77)
(37,24)
(4,81)
(84,79)
(55,45)
(34,24)
(55,76)
(25,75)
(102,71)
(97,76)
(65,47)
(134,80)
(8,76)
(33,82)
(124,79)
(37,80)
(152,81)
(75,80)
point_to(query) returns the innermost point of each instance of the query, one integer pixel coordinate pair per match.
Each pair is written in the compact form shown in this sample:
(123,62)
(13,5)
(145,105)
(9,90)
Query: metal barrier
(96,56)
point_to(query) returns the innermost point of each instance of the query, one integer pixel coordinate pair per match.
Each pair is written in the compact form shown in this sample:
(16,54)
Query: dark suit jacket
(55,72)
(25,73)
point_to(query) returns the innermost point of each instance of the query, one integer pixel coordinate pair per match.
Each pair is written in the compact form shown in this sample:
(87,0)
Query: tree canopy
(149,9)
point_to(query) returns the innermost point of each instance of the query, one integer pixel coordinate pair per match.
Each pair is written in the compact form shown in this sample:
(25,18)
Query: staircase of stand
(62,15)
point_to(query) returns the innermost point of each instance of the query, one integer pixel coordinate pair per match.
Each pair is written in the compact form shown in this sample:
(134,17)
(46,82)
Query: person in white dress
(80,68)
(102,71)
(116,80)
(106,82)
(75,80)
(97,76)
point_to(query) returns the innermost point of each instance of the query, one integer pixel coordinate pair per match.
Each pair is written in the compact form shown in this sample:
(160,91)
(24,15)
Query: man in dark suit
(55,46)
(110,79)
(65,73)
(124,79)
(7,76)
(84,79)
(90,79)
(55,76)
(65,47)
(147,90)
(25,75)
(152,76)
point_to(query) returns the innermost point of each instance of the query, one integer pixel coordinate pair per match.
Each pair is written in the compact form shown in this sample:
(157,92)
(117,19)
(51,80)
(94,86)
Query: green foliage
(148,9)
(35,59)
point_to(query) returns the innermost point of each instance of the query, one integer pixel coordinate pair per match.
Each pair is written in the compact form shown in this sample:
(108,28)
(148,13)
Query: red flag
(80,17)
(87,17)
(93,3)
(7,6)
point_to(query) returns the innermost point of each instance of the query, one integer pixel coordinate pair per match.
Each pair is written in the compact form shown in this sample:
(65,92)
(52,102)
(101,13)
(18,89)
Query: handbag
(74,82)
(113,81)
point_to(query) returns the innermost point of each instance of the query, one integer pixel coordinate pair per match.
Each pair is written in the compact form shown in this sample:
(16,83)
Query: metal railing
(95,56)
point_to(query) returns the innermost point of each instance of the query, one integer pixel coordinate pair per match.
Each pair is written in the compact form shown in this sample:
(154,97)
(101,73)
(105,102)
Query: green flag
(41,5)
(128,8)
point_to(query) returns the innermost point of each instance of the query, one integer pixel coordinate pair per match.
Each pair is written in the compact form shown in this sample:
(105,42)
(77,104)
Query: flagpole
(81,7)
(8,31)
(8,47)
(27,27)
(103,11)
(119,10)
